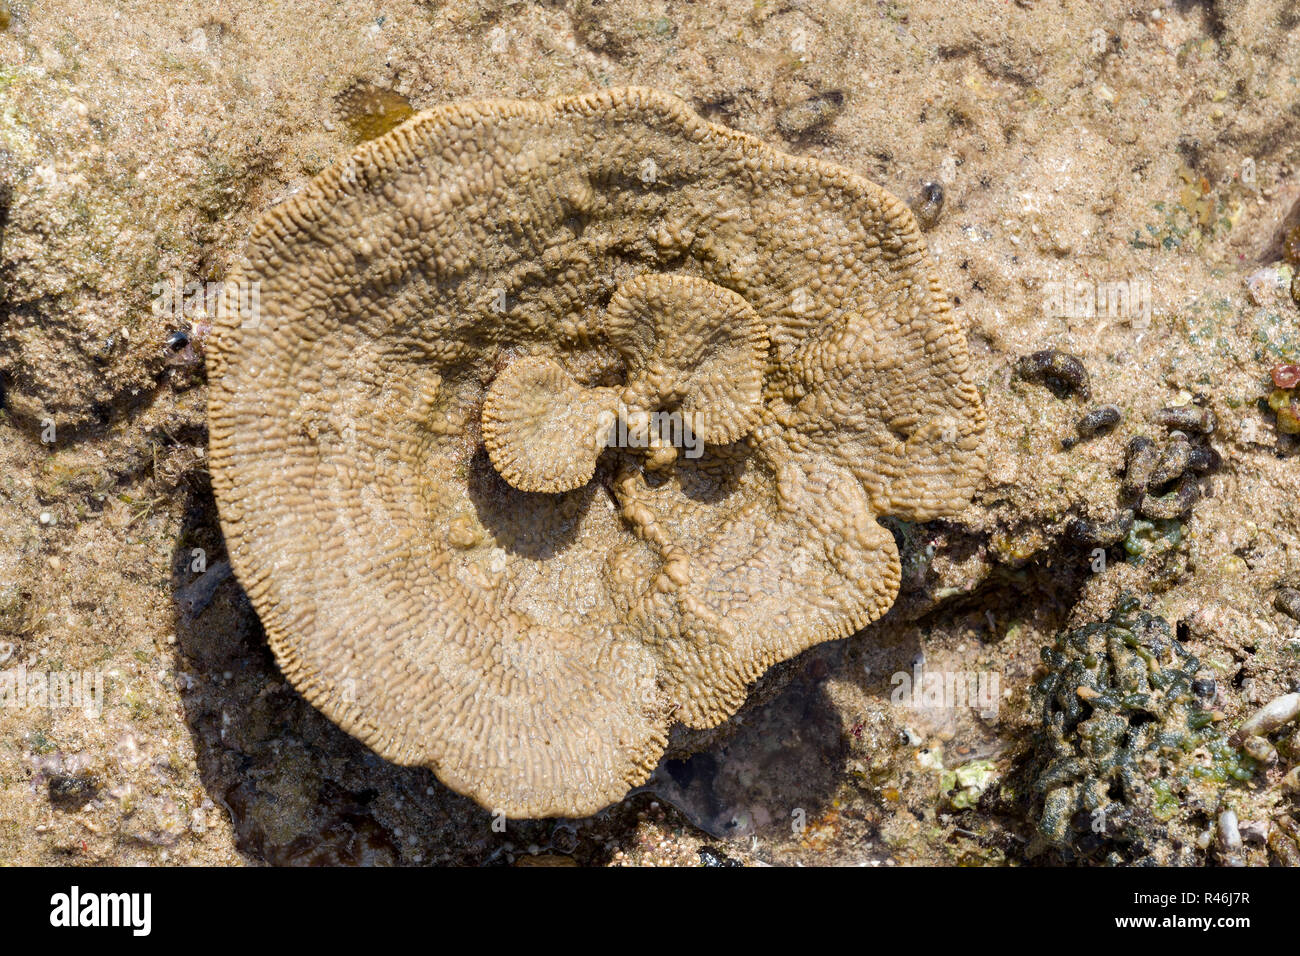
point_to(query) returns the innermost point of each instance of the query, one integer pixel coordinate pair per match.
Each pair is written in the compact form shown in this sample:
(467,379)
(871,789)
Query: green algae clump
(1127,762)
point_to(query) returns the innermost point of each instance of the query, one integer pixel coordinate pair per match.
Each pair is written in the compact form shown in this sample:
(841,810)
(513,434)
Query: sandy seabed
(1118,181)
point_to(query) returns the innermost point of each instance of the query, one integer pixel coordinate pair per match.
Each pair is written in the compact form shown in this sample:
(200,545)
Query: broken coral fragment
(452,555)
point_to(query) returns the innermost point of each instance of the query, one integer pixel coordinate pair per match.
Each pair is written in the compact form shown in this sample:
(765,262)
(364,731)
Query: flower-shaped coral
(695,356)
(563,421)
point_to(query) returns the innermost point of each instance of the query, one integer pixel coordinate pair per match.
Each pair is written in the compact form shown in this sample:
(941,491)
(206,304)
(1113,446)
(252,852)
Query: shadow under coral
(300,791)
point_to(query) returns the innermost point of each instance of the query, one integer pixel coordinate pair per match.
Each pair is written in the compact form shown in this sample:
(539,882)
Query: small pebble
(1254,831)
(1229,835)
(1174,505)
(1291,781)
(1098,421)
(1287,600)
(1204,458)
(1271,716)
(1229,839)
(1189,418)
(928,206)
(1284,840)
(1141,458)
(1260,749)
(1059,371)
(1173,463)
(181,345)
(1093,534)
